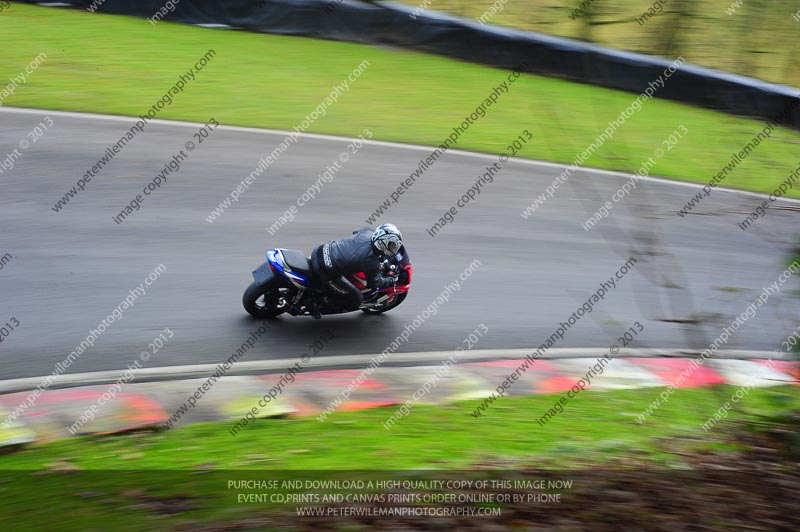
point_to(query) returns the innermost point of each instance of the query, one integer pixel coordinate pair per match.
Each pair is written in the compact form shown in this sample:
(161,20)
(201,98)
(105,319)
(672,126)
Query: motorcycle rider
(332,261)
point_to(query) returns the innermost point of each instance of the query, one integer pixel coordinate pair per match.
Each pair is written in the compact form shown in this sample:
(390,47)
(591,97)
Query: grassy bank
(758,38)
(181,479)
(120,65)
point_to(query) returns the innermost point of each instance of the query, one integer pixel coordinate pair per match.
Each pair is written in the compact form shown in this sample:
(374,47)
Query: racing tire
(266,301)
(399,298)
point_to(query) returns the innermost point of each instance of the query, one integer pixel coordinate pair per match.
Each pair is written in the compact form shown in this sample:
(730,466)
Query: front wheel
(266,300)
(389,305)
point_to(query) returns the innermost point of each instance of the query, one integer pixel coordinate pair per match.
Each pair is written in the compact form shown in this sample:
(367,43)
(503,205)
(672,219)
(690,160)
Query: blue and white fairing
(278,264)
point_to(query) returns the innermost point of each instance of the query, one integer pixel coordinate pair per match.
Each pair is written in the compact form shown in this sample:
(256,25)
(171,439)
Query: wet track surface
(71,269)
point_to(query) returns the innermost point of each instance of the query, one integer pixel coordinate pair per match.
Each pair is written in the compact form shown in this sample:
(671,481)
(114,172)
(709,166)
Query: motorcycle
(285,283)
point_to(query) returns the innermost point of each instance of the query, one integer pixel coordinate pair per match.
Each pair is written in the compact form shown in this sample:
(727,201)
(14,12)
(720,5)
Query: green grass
(594,428)
(120,65)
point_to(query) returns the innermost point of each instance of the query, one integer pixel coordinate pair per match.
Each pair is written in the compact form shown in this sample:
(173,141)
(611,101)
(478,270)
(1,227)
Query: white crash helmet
(387,239)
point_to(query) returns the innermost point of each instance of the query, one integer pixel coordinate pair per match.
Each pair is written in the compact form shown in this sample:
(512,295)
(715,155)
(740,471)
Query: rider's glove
(386,280)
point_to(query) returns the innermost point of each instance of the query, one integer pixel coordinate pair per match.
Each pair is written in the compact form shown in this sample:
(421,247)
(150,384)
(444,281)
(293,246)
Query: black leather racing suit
(333,260)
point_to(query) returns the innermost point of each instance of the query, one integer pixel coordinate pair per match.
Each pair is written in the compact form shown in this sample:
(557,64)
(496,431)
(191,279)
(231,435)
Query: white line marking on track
(386,144)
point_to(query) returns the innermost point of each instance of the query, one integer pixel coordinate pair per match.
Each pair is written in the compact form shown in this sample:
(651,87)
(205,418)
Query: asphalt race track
(71,269)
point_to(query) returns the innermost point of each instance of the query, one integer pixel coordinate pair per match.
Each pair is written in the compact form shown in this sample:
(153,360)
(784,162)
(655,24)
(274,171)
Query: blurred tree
(675,26)
(751,19)
(586,18)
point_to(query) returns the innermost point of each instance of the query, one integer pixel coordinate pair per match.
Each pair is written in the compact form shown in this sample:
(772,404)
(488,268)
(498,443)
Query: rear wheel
(388,305)
(266,301)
